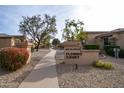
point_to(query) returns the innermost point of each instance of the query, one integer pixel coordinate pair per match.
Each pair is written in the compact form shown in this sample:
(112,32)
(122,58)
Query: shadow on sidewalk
(53,71)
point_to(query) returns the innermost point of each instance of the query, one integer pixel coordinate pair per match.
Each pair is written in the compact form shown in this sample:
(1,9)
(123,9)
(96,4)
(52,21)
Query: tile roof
(6,35)
(2,34)
(118,30)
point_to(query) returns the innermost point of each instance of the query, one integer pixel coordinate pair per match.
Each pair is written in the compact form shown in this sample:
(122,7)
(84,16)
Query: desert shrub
(108,66)
(13,58)
(104,65)
(93,47)
(98,64)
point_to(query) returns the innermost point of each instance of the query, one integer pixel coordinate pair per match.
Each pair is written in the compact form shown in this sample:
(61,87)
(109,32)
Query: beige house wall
(12,42)
(9,41)
(91,39)
(120,40)
(5,42)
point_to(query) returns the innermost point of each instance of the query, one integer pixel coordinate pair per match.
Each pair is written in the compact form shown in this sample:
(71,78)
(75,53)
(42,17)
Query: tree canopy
(74,30)
(38,27)
(55,41)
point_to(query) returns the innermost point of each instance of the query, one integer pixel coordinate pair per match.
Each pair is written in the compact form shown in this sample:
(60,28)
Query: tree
(55,42)
(46,41)
(74,30)
(38,28)
(81,36)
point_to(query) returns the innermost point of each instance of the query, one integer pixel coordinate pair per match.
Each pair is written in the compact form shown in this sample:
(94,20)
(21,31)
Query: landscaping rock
(91,77)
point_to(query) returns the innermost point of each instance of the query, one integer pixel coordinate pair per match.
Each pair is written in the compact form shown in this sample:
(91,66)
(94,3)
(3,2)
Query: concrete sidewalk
(43,75)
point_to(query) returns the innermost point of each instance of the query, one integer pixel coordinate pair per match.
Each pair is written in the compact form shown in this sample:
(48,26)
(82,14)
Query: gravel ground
(13,79)
(88,76)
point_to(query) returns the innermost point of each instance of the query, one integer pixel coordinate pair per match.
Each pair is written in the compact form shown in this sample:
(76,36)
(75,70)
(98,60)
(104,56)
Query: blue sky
(95,17)
(10,16)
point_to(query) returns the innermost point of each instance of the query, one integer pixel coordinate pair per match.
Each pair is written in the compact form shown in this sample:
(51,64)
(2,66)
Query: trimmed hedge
(13,58)
(91,47)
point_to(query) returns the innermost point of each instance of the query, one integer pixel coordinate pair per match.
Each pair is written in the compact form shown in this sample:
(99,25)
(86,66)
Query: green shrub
(94,47)
(107,47)
(121,53)
(13,58)
(104,65)
(110,51)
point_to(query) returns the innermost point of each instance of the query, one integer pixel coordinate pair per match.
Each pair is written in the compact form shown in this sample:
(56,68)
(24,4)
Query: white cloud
(101,17)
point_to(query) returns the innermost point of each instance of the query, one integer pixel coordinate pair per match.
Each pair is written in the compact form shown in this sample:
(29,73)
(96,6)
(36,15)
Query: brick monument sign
(75,54)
